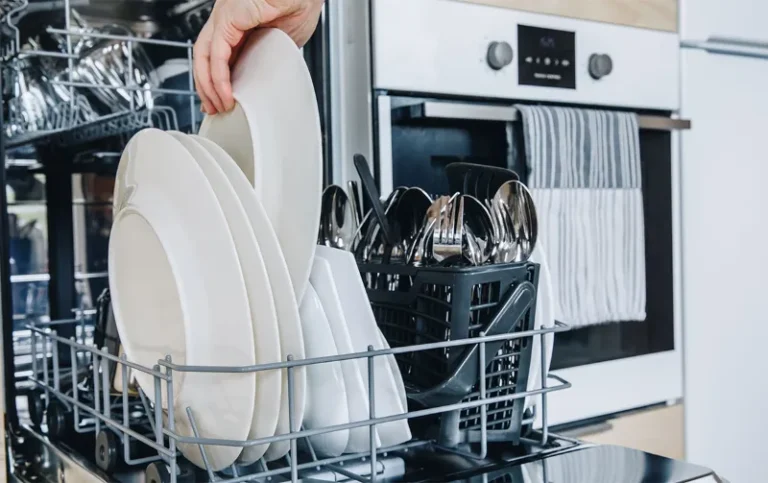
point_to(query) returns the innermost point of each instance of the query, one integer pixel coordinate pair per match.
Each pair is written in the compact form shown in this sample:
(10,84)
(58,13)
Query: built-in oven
(446,81)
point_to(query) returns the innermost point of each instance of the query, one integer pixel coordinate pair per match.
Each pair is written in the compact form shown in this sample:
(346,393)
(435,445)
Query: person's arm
(220,40)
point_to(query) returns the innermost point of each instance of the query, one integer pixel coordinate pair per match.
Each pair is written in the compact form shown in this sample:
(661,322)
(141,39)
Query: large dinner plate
(264,319)
(273,134)
(178,289)
(288,321)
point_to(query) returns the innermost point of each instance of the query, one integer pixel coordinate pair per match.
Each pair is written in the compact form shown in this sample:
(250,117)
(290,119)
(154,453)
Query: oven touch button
(500,55)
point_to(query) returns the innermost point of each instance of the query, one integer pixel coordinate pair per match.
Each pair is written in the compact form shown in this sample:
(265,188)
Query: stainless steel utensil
(354,198)
(337,219)
(375,243)
(479,239)
(448,232)
(408,215)
(518,217)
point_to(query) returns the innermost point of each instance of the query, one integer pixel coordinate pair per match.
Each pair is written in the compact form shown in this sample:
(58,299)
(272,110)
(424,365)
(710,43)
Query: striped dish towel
(586,181)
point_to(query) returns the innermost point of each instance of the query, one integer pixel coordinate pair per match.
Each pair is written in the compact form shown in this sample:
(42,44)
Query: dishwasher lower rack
(118,430)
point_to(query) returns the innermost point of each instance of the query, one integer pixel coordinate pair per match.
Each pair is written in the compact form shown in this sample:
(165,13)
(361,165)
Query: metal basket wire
(96,408)
(74,121)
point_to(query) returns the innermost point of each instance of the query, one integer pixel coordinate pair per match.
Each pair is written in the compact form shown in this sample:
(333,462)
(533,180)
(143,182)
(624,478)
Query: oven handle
(487,112)
(729,46)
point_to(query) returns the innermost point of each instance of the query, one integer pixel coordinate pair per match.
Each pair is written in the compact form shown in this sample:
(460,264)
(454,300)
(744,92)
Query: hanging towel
(585,178)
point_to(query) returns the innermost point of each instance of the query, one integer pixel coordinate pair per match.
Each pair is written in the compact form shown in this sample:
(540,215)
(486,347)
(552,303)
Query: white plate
(326,393)
(257,284)
(290,333)
(168,299)
(364,333)
(545,318)
(396,372)
(273,134)
(357,394)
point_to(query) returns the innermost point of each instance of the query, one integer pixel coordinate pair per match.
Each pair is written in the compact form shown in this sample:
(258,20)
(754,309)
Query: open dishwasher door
(591,464)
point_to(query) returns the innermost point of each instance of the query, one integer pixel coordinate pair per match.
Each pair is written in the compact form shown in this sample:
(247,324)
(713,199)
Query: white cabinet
(743,19)
(725,258)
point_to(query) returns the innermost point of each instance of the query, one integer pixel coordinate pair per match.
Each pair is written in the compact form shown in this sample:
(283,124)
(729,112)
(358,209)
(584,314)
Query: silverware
(518,219)
(354,198)
(369,186)
(337,219)
(448,233)
(408,215)
(375,243)
(479,231)
(418,255)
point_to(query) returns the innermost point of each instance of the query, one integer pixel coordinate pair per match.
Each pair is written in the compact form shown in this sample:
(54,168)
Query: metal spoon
(409,214)
(479,231)
(518,215)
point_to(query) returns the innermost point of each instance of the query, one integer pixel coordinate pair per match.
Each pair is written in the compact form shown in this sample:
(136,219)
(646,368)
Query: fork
(449,230)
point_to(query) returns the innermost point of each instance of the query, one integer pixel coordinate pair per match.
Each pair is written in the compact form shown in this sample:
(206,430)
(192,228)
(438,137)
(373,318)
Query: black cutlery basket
(422,305)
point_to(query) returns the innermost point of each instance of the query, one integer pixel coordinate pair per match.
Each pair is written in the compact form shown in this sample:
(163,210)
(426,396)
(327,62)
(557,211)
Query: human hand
(222,36)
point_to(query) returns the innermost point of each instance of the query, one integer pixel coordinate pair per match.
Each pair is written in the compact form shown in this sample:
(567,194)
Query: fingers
(202,70)
(221,54)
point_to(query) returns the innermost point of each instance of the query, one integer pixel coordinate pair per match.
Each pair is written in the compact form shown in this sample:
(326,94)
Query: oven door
(614,366)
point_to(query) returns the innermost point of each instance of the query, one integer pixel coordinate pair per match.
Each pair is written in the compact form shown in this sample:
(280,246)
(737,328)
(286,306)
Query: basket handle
(460,383)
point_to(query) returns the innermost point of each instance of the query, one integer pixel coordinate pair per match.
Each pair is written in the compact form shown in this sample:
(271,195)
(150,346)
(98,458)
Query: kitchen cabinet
(651,14)
(658,431)
(724,168)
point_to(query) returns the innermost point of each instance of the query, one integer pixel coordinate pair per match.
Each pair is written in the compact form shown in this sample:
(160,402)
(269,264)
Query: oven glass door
(423,146)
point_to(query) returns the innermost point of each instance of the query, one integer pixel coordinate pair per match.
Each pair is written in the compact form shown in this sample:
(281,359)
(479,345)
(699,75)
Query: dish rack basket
(126,431)
(428,305)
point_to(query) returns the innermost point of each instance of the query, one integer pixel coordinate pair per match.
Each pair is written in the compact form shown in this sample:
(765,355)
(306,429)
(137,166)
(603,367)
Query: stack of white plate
(211,252)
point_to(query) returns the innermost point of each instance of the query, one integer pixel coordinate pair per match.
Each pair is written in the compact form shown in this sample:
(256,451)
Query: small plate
(273,134)
(545,318)
(167,299)
(357,393)
(326,393)
(364,333)
(287,325)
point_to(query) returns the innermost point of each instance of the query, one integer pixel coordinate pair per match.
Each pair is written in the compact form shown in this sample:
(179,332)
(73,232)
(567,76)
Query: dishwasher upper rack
(71,121)
(98,411)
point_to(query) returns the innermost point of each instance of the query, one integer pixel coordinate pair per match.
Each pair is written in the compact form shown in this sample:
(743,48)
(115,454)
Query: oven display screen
(546,57)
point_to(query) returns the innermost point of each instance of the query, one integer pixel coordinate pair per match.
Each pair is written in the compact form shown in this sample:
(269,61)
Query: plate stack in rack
(210,257)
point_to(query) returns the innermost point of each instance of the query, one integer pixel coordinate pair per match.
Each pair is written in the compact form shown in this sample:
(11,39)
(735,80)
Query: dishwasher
(78,79)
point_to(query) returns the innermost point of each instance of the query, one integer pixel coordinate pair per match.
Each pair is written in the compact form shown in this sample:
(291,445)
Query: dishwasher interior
(78,79)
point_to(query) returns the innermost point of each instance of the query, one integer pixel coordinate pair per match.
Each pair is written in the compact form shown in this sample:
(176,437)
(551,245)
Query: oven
(446,81)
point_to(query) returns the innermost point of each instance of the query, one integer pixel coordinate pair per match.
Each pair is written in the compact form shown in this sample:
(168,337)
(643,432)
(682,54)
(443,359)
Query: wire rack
(122,414)
(74,121)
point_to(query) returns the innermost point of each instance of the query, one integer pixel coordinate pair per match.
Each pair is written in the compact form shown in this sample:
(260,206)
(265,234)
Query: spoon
(337,219)
(518,217)
(479,231)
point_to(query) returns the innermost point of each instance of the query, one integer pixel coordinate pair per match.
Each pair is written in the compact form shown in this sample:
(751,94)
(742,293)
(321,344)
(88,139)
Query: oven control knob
(600,65)
(500,55)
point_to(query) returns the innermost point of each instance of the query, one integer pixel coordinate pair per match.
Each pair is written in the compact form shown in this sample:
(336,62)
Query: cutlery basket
(422,305)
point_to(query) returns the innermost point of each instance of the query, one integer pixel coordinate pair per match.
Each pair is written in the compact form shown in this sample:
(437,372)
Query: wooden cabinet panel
(652,14)
(658,431)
